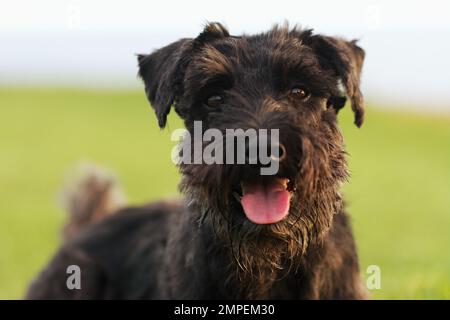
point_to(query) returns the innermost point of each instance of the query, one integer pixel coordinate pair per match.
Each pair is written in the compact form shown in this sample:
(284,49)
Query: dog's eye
(214,101)
(299,93)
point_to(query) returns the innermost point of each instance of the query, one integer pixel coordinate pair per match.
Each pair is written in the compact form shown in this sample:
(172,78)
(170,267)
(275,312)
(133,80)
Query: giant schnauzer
(237,234)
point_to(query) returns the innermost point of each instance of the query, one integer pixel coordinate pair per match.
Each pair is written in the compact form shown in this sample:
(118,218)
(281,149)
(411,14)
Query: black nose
(281,153)
(252,153)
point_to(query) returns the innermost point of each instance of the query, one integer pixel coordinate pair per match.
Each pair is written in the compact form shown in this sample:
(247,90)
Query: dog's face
(290,80)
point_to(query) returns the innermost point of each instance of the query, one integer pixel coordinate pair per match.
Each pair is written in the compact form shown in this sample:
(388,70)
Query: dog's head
(286,79)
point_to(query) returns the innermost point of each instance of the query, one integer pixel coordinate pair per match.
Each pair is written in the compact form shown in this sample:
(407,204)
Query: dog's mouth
(265,200)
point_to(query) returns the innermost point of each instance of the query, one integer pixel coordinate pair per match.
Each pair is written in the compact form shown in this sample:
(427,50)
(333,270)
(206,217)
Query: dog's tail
(90,194)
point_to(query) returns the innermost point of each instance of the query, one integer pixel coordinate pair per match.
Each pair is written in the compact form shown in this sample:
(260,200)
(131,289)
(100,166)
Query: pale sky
(91,43)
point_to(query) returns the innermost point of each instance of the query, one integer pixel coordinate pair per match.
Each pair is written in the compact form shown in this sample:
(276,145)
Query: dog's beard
(262,253)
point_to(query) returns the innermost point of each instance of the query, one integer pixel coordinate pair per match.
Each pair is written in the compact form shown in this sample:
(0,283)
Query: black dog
(238,234)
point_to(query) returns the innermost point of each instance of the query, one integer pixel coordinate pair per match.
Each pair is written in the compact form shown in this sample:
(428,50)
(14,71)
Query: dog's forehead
(262,55)
(251,50)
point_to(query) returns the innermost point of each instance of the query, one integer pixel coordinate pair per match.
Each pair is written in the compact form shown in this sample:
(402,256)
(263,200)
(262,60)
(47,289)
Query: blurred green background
(398,194)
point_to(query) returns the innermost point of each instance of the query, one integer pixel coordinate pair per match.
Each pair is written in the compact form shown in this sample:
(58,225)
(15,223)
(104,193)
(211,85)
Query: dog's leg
(52,283)
(334,268)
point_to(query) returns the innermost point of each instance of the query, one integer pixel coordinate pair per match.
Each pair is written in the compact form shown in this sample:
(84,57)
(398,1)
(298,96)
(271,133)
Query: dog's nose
(281,153)
(276,152)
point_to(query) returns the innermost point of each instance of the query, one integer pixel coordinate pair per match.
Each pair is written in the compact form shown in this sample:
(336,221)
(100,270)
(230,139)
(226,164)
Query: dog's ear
(162,72)
(346,59)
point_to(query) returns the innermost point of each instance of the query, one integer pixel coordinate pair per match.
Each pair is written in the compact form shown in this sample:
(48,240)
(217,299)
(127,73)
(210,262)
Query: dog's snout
(251,153)
(278,152)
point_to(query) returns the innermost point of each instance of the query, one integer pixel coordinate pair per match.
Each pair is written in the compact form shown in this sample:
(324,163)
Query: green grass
(398,196)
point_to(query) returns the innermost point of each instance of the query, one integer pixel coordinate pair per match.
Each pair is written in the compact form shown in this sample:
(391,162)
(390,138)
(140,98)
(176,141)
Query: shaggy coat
(204,246)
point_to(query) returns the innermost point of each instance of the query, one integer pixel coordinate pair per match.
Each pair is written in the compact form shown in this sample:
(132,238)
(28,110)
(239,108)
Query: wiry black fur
(206,247)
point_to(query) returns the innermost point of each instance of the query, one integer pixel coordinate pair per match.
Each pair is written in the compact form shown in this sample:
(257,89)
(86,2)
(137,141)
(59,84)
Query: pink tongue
(265,203)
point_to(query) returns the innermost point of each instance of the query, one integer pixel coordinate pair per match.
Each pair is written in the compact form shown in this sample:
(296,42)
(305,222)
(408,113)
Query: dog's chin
(265,200)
